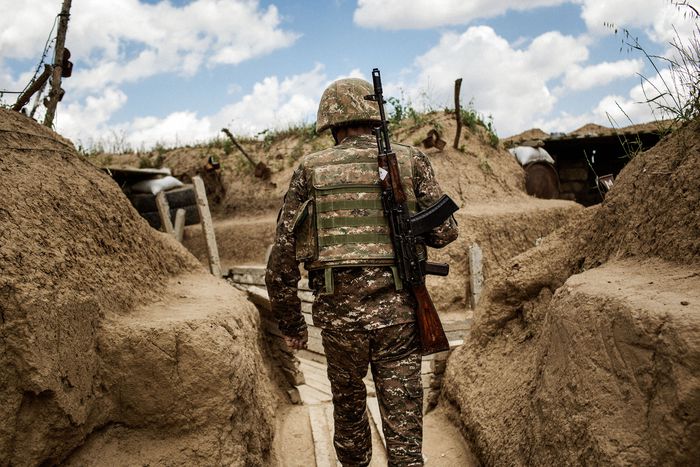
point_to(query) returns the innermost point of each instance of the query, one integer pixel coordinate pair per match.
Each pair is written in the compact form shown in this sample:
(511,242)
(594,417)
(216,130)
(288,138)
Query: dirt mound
(590,129)
(585,348)
(191,381)
(528,136)
(74,254)
(502,229)
(479,170)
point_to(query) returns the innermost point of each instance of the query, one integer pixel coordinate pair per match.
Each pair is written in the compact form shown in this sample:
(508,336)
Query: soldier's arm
(428,192)
(282,274)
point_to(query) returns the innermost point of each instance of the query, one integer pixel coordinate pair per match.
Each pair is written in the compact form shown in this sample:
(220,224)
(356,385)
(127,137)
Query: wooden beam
(164,212)
(320,433)
(458,112)
(38,84)
(55,93)
(207,225)
(476,273)
(179,224)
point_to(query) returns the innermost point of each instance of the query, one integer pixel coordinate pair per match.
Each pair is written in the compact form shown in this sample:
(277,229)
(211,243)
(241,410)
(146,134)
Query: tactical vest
(342,223)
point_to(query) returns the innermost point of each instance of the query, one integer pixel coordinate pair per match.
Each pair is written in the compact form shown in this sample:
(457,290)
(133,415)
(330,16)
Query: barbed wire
(47,46)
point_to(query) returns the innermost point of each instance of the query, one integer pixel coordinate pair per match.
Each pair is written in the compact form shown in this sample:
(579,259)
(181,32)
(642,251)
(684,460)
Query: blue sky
(149,72)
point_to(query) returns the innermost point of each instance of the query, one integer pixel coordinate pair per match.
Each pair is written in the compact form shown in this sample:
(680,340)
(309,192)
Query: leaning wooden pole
(207,226)
(458,112)
(37,85)
(55,93)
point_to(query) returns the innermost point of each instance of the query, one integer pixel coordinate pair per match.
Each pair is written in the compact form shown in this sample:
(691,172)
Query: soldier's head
(343,106)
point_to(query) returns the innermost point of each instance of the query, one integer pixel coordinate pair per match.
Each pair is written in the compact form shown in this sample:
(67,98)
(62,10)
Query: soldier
(332,220)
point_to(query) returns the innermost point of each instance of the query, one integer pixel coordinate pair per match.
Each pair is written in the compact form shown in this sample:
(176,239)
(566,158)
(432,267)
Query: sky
(158,72)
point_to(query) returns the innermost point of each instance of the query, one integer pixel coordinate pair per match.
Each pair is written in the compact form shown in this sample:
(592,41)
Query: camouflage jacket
(364,297)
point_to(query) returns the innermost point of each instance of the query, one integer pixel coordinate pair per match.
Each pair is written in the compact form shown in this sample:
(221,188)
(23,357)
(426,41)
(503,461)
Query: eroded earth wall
(75,258)
(585,349)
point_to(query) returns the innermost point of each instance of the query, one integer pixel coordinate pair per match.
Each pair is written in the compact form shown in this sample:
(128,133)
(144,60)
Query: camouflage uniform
(365,320)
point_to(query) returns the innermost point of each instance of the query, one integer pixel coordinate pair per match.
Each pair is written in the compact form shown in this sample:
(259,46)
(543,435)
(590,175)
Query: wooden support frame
(458,112)
(179,224)
(207,226)
(164,211)
(476,273)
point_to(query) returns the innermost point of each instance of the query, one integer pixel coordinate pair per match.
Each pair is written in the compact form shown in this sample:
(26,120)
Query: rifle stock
(432,335)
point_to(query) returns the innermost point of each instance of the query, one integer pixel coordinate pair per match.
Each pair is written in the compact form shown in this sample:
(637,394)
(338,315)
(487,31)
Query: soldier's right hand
(297,342)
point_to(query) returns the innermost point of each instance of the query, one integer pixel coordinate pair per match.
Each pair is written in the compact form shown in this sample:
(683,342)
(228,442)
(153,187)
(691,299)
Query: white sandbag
(156,185)
(527,154)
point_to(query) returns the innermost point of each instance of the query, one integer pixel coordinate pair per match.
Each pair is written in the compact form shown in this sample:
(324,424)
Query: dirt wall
(72,253)
(585,348)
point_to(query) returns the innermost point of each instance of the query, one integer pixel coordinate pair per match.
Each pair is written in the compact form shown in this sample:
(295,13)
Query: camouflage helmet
(344,102)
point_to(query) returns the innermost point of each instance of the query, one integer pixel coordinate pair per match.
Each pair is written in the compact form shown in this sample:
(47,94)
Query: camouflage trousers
(394,356)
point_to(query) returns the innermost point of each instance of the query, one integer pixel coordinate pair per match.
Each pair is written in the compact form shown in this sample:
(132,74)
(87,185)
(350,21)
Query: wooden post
(476,274)
(55,92)
(320,434)
(164,210)
(179,224)
(458,112)
(37,85)
(207,225)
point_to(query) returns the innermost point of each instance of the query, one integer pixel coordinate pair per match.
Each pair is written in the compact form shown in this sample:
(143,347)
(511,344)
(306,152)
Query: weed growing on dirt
(402,109)
(472,118)
(225,144)
(673,92)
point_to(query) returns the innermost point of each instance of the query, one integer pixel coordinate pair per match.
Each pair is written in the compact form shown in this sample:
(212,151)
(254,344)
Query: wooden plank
(315,345)
(331,432)
(476,274)
(320,434)
(311,395)
(306,296)
(295,378)
(312,356)
(179,227)
(319,385)
(319,365)
(255,270)
(373,406)
(164,213)
(207,226)
(259,296)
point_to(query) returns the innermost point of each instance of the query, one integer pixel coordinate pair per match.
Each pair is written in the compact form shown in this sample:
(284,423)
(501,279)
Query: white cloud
(177,128)
(580,78)
(619,111)
(275,104)
(656,17)
(510,84)
(420,14)
(86,122)
(125,41)
(645,101)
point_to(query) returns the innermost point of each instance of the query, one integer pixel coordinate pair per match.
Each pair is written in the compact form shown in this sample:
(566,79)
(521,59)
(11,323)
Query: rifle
(406,231)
